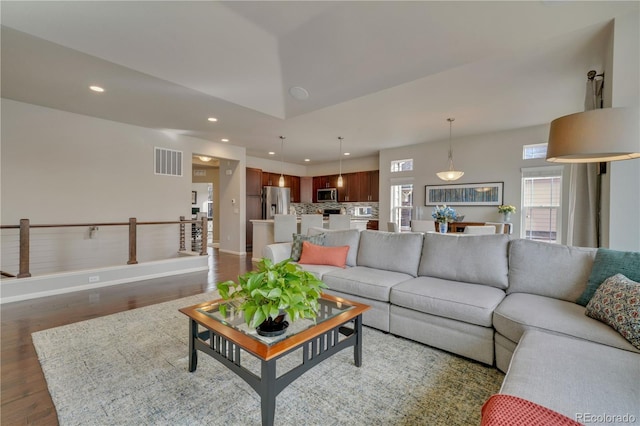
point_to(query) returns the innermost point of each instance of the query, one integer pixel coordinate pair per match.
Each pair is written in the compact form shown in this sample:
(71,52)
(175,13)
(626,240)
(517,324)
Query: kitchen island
(263,233)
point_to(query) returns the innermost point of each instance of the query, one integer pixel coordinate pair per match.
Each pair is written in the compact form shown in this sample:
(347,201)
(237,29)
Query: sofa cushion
(319,270)
(298,239)
(340,237)
(365,282)
(391,251)
(519,312)
(607,263)
(617,303)
(574,377)
(313,254)
(470,303)
(547,269)
(479,259)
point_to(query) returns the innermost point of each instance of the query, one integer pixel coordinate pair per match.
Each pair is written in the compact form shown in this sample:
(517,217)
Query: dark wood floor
(25,398)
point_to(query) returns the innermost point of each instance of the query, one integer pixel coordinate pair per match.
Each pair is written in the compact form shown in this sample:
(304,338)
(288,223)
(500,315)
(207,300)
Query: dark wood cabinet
(324,182)
(356,187)
(295,188)
(272,179)
(374,186)
(254,181)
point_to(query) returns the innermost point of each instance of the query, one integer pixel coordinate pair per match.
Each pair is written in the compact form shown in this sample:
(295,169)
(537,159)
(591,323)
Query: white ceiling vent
(168,162)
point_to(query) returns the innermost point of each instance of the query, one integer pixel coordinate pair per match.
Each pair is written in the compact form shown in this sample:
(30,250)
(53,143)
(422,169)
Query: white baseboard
(17,289)
(237,253)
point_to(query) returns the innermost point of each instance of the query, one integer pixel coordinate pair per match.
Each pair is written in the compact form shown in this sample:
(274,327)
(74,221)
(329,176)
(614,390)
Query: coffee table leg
(268,392)
(357,349)
(193,354)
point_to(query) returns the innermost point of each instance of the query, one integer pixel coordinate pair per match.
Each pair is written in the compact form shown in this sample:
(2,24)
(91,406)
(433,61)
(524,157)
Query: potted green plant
(266,294)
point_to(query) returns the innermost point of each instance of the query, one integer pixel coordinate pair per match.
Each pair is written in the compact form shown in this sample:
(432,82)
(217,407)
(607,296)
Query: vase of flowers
(505,210)
(443,215)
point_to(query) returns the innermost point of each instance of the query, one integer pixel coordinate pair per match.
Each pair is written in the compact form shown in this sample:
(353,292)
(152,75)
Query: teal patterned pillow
(617,304)
(296,247)
(608,263)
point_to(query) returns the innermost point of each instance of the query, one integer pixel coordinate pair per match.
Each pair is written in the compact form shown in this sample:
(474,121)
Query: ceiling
(380,74)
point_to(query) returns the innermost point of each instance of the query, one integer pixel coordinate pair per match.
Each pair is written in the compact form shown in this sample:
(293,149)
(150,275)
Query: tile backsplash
(311,208)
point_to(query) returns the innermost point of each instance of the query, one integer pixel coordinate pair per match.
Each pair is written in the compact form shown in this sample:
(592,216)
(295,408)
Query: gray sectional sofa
(497,300)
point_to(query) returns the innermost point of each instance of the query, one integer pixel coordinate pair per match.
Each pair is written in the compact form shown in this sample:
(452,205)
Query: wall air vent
(168,162)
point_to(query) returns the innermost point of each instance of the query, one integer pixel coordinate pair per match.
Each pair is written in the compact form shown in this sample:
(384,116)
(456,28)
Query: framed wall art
(465,194)
(194,197)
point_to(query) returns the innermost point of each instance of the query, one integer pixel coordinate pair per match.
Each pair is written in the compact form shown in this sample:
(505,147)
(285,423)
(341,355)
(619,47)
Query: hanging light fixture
(450,174)
(281,180)
(340,175)
(606,134)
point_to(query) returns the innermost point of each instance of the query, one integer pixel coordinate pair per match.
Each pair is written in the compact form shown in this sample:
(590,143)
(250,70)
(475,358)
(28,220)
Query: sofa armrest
(277,252)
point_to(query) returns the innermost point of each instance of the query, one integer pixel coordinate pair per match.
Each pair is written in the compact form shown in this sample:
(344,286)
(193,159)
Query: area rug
(130,368)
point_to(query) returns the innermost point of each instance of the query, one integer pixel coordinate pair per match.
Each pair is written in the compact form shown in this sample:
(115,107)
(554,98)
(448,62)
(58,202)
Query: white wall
(622,185)
(59,167)
(349,165)
(274,166)
(494,157)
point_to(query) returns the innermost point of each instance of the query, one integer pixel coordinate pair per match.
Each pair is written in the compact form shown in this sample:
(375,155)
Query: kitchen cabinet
(293,182)
(254,181)
(356,187)
(374,186)
(350,191)
(324,182)
(253,202)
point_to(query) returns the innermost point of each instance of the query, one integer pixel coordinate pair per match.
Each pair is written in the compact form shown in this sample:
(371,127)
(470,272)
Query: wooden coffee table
(338,326)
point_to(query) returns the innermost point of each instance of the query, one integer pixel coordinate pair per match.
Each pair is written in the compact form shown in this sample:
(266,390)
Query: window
(538,150)
(402,205)
(402,165)
(541,210)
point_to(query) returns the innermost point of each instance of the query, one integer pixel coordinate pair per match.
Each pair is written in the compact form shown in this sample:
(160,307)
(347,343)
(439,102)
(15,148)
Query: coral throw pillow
(508,410)
(313,254)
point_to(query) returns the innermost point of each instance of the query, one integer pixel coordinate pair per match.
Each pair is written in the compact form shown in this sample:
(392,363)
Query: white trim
(237,253)
(68,282)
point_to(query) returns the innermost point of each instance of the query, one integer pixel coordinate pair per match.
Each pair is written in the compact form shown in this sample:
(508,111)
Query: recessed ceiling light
(307,160)
(347,153)
(212,119)
(299,93)
(205,158)
(224,140)
(96,89)
(272,153)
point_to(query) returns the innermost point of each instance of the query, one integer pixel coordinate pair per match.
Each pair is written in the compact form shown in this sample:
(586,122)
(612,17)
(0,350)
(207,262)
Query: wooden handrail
(70,225)
(25,227)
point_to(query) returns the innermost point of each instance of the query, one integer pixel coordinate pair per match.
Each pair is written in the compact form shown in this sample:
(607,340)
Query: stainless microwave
(327,195)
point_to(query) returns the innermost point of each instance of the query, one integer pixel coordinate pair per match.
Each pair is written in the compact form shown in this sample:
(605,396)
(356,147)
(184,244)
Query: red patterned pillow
(313,254)
(617,303)
(509,410)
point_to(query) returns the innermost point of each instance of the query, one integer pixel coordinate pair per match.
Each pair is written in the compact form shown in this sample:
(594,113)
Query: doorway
(205,198)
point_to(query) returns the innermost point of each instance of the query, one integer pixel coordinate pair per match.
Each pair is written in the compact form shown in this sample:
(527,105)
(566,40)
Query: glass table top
(234,318)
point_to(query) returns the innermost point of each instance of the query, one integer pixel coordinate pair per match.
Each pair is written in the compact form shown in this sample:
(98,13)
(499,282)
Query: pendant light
(340,175)
(450,174)
(606,134)
(281,180)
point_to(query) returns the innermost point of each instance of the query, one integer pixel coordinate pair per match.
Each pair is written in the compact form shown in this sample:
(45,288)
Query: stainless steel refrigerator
(275,200)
